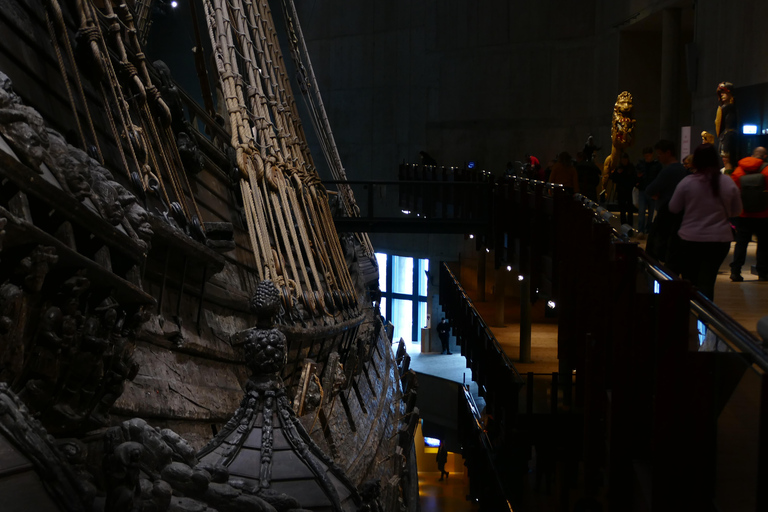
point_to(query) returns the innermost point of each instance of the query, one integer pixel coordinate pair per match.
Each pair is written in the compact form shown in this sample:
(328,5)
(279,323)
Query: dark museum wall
(493,80)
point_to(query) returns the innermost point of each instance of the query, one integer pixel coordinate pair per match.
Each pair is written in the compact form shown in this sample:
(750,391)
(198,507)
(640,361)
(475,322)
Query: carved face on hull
(108,202)
(67,167)
(139,220)
(25,132)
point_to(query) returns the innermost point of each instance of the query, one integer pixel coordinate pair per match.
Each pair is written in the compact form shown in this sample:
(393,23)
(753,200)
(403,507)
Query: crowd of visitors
(688,211)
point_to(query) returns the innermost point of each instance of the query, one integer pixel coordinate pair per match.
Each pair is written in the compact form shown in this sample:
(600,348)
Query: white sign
(685,142)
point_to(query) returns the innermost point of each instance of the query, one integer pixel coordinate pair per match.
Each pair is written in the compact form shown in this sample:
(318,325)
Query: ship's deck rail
(671,393)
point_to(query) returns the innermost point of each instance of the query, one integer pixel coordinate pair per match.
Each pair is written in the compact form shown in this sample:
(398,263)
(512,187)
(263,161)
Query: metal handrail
(487,446)
(730,331)
(495,343)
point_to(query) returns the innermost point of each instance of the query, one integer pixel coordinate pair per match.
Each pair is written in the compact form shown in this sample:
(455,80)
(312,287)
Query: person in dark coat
(442,458)
(443,332)
(624,177)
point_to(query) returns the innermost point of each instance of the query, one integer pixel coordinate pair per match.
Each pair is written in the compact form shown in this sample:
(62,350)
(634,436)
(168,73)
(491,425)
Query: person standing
(442,459)
(707,200)
(564,173)
(646,170)
(443,332)
(624,178)
(751,176)
(726,125)
(662,237)
(589,176)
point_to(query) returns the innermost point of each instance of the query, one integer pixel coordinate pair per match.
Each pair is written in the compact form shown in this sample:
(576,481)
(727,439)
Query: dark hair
(647,149)
(705,162)
(665,145)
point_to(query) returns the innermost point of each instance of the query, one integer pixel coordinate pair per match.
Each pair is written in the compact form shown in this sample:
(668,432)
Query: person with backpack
(751,176)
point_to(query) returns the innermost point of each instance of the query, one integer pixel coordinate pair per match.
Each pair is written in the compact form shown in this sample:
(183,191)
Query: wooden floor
(745,302)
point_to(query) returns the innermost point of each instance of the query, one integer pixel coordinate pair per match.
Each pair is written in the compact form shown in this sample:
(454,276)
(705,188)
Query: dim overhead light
(749,129)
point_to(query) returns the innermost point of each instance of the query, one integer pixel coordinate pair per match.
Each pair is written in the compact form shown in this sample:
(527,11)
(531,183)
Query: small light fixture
(520,278)
(749,129)
(487,250)
(509,268)
(174,4)
(471,237)
(551,304)
(407,212)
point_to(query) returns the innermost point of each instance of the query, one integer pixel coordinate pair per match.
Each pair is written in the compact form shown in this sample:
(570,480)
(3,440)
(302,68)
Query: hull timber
(180,301)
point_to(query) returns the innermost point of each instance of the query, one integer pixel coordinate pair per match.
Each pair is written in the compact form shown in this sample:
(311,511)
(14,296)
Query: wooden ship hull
(135,227)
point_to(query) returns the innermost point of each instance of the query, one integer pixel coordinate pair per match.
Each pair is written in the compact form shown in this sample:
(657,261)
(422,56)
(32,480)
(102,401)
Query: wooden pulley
(286,298)
(309,302)
(329,302)
(321,302)
(273,176)
(338,299)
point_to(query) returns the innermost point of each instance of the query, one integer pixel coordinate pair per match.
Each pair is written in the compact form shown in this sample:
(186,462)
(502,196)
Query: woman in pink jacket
(708,199)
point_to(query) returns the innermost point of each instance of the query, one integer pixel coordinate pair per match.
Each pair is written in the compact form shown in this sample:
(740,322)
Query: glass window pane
(383,307)
(402,318)
(422,321)
(381,259)
(423,269)
(402,275)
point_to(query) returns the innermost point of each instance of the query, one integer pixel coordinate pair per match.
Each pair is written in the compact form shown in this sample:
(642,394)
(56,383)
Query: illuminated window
(403,285)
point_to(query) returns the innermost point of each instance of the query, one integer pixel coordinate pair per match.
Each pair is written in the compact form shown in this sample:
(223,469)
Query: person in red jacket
(754,218)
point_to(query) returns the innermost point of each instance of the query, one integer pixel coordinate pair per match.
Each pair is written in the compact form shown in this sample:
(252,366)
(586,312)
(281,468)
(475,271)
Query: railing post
(499,290)
(481,266)
(671,477)
(525,320)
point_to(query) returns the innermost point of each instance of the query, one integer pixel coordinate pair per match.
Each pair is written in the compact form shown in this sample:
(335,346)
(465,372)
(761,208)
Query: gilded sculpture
(622,133)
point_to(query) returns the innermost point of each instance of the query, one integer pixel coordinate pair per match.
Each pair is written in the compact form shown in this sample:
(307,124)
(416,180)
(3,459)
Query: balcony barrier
(672,398)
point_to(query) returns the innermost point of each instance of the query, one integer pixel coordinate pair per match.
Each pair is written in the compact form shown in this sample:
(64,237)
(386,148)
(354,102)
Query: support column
(525,320)
(481,264)
(670,73)
(498,296)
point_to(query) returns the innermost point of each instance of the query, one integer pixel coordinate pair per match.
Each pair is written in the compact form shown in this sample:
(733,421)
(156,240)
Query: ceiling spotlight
(471,237)
(509,268)
(174,4)
(551,304)
(520,278)
(487,250)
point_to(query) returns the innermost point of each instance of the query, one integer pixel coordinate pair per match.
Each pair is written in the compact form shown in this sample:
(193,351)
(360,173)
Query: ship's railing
(682,386)
(496,377)
(486,482)
(672,393)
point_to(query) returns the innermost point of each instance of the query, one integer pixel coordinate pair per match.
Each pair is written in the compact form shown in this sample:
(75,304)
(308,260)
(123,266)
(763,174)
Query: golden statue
(622,134)
(707,138)
(726,123)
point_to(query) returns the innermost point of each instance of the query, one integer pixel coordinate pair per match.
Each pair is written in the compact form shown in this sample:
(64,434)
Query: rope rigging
(289,223)
(314,103)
